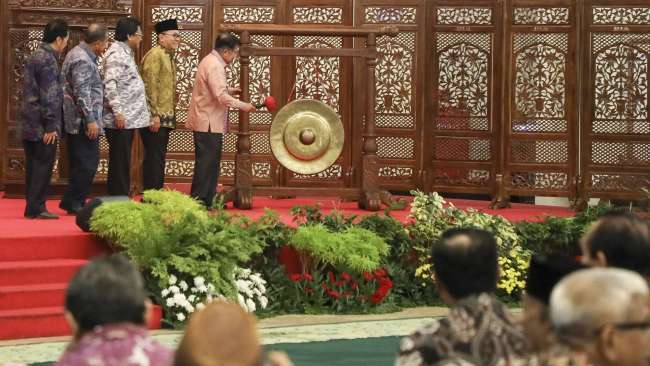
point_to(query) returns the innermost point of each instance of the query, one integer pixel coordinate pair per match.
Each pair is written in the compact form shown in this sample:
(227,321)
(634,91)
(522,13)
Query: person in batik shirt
(83,100)
(125,107)
(40,117)
(106,305)
(479,330)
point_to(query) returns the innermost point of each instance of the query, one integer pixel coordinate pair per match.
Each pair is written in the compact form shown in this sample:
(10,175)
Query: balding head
(585,301)
(96,33)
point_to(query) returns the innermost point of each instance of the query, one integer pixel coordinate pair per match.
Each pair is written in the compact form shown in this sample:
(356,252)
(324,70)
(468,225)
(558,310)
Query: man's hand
(249,108)
(155,124)
(49,138)
(234,91)
(92,130)
(120,121)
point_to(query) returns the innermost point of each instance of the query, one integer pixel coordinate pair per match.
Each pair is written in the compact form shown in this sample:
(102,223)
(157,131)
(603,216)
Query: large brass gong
(307,136)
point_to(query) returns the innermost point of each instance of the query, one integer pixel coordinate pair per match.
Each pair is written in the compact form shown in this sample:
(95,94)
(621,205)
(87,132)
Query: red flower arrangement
(345,290)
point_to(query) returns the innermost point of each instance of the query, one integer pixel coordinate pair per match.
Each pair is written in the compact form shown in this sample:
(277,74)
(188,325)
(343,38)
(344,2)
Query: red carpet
(38,257)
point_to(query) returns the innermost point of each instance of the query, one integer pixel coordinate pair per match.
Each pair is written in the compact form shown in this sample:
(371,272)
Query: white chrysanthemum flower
(165,292)
(179,299)
(250,304)
(183,285)
(257,292)
(189,308)
(191,298)
(241,285)
(170,302)
(174,290)
(202,289)
(172,280)
(199,281)
(264,301)
(241,301)
(200,306)
(194,289)
(180,317)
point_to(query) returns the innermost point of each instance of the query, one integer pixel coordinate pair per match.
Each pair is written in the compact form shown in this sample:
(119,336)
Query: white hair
(590,298)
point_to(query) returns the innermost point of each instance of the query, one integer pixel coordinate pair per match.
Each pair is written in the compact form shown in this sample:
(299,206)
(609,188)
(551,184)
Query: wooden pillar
(4,85)
(243,164)
(370,199)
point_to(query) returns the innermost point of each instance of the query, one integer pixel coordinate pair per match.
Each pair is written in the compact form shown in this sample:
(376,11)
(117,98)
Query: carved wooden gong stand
(368,194)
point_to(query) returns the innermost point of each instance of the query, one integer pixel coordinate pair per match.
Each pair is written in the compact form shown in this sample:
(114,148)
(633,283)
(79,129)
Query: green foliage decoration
(355,250)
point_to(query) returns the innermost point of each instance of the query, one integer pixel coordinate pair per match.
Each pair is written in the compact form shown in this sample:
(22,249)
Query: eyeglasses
(175,35)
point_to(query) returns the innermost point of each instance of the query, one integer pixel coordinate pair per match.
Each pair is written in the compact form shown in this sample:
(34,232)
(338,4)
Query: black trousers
(119,161)
(39,163)
(207,162)
(155,150)
(83,155)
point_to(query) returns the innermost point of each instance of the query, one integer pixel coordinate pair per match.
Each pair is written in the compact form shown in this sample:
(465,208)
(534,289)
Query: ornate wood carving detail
(463,16)
(395,147)
(620,15)
(630,153)
(395,172)
(187,58)
(258,14)
(179,168)
(539,180)
(386,15)
(394,72)
(619,182)
(449,176)
(318,15)
(318,77)
(541,16)
(84,4)
(333,172)
(184,14)
(262,170)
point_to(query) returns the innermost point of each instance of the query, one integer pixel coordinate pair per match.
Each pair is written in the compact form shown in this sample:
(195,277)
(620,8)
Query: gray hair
(588,299)
(95,33)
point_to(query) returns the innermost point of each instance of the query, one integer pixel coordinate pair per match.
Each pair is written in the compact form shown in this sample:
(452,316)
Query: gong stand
(369,195)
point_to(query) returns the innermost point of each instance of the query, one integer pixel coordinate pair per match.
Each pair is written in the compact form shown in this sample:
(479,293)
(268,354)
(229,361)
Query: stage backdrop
(502,97)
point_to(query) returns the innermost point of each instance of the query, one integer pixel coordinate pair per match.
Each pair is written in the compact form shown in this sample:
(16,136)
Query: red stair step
(32,296)
(17,273)
(45,322)
(40,247)
(33,323)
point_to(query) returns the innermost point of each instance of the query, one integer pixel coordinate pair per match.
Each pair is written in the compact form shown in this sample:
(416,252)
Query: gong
(307,136)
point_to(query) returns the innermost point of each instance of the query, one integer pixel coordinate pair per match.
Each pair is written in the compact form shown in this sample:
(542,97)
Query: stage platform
(38,257)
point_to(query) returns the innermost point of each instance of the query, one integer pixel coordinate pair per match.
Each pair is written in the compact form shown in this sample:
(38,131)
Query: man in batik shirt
(479,330)
(83,98)
(125,107)
(159,75)
(106,305)
(40,117)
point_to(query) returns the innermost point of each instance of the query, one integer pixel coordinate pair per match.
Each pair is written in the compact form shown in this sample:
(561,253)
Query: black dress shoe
(71,210)
(43,216)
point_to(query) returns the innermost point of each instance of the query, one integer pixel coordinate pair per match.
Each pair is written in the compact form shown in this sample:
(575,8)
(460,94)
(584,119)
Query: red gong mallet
(269,103)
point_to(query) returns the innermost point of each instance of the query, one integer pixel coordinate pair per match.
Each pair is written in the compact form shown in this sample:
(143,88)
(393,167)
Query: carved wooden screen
(27,19)
(398,87)
(462,124)
(323,78)
(616,125)
(195,20)
(263,82)
(541,117)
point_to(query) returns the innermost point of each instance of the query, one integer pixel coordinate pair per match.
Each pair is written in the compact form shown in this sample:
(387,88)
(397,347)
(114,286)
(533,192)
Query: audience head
(169,37)
(465,263)
(221,334)
(109,290)
(56,34)
(605,313)
(618,239)
(128,30)
(544,273)
(227,45)
(96,36)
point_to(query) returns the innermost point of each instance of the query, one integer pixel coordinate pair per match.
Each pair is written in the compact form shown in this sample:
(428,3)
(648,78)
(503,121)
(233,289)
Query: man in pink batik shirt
(208,115)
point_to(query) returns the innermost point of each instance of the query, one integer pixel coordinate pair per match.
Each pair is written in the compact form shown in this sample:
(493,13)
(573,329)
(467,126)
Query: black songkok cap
(545,272)
(166,25)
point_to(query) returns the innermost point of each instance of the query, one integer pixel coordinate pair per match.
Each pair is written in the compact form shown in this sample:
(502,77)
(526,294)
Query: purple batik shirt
(117,345)
(42,107)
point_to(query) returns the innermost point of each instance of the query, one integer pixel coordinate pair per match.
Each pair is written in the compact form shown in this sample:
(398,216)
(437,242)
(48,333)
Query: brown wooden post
(4,85)
(370,199)
(244,169)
